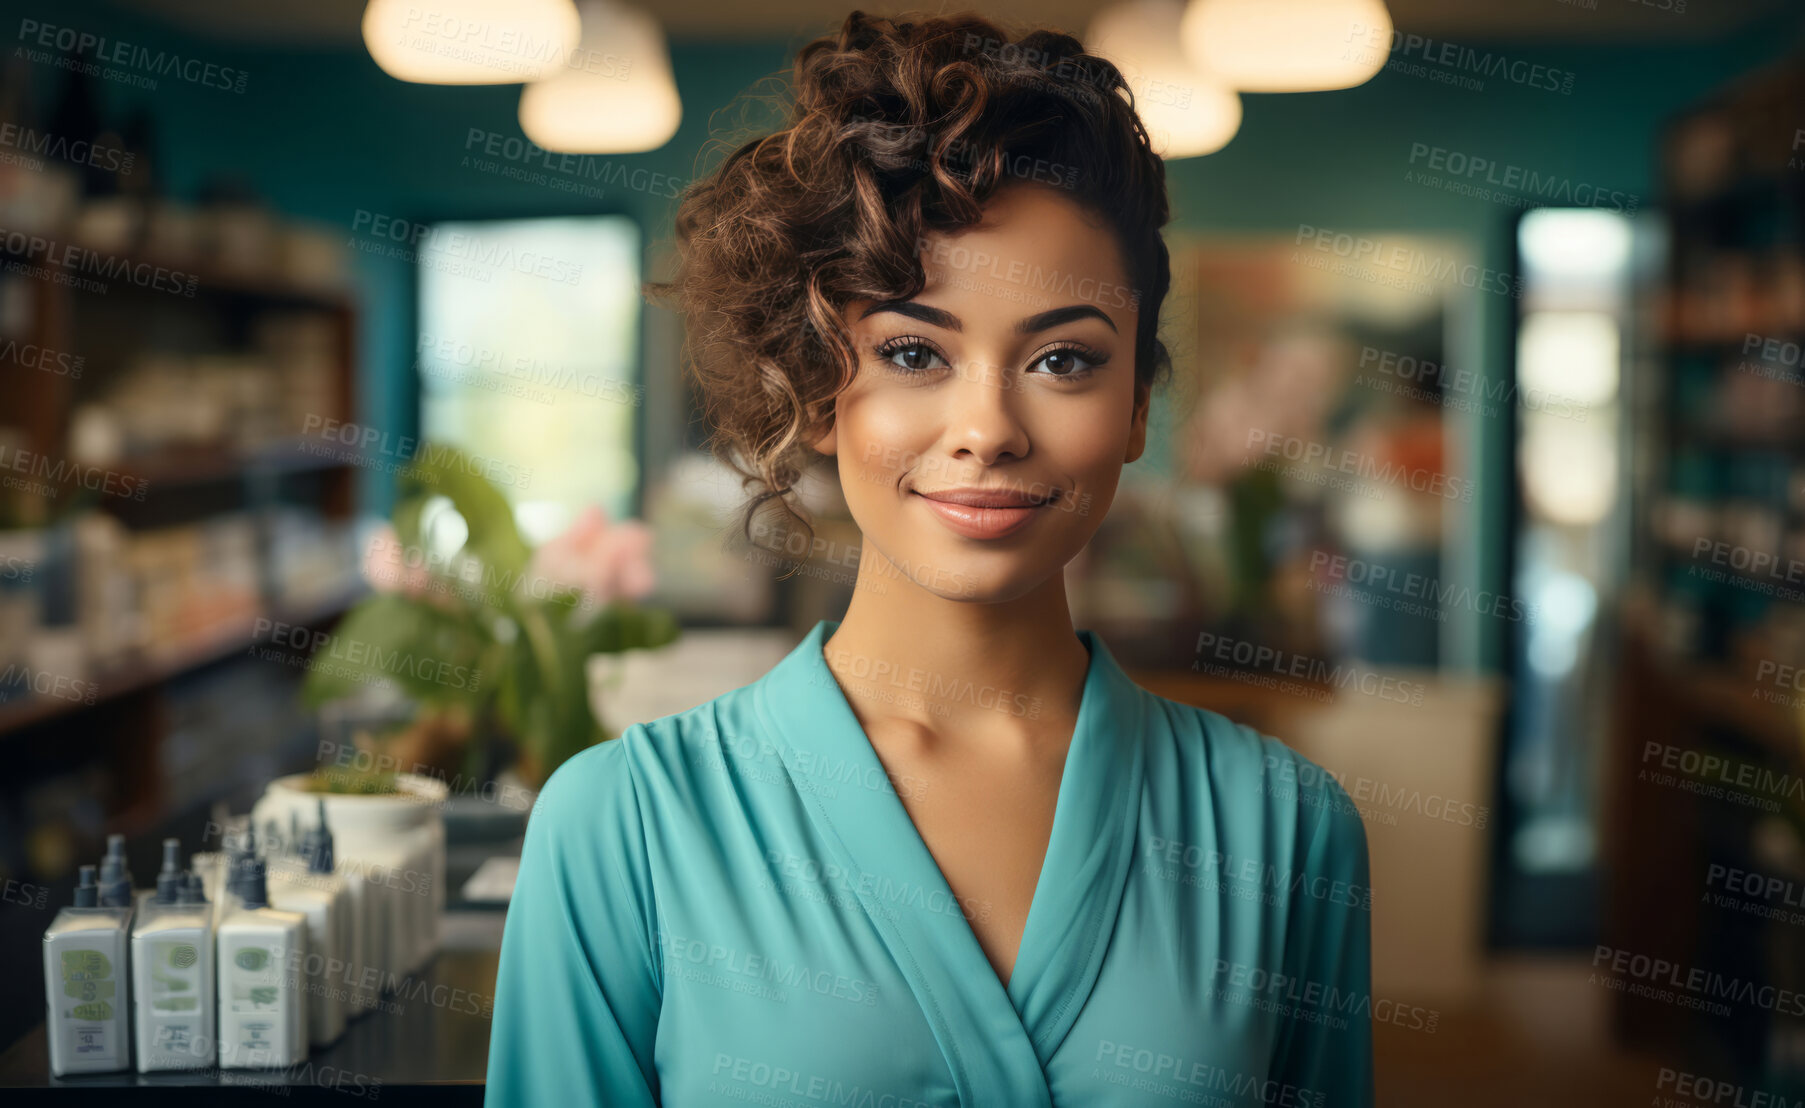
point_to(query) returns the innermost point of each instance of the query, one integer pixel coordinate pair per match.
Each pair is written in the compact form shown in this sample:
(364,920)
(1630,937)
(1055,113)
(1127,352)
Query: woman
(945,853)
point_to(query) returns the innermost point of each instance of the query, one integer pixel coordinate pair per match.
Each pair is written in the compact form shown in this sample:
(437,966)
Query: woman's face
(1008,383)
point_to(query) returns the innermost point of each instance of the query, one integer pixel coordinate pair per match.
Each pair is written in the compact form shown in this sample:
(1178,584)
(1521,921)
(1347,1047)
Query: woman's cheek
(1087,448)
(889,435)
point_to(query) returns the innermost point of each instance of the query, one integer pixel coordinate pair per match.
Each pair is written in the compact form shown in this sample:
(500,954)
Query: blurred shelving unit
(175,522)
(170,471)
(172,512)
(1717,619)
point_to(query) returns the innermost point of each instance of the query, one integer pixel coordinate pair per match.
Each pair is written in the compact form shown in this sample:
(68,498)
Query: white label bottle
(376,876)
(363,938)
(172,973)
(86,984)
(262,1001)
(306,884)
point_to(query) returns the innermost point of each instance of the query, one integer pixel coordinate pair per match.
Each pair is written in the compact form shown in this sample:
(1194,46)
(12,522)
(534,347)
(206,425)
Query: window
(528,356)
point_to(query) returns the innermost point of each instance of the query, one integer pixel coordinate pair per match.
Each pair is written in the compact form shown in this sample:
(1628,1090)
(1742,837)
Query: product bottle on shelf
(430,840)
(262,991)
(367,930)
(401,869)
(391,878)
(172,973)
(241,851)
(215,868)
(115,875)
(140,897)
(322,859)
(86,983)
(210,865)
(306,884)
(171,871)
(382,879)
(194,892)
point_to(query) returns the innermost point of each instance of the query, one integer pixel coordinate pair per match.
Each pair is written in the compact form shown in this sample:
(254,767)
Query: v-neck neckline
(990,1031)
(1040,876)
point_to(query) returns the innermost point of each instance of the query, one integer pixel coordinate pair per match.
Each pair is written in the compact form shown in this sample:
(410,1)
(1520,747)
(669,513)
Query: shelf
(1709,438)
(209,278)
(127,678)
(1714,694)
(206,465)
(1730,344)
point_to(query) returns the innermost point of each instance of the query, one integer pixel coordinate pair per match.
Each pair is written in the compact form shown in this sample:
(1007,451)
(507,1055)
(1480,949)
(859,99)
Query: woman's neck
(905,655)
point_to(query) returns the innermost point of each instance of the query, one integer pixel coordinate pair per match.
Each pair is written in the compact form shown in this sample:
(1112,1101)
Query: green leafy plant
(492,639)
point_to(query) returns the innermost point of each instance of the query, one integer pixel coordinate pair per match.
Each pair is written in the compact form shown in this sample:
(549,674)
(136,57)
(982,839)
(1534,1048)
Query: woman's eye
(913,356)
(1065,363)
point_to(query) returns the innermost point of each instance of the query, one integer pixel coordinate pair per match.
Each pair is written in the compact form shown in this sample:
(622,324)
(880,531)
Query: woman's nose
(984,414)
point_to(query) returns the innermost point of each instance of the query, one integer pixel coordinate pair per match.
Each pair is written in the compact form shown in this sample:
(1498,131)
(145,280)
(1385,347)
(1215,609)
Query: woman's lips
(981,523)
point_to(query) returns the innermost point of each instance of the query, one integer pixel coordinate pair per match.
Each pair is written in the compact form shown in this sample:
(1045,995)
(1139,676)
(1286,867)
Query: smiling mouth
(987,498)
(984,514)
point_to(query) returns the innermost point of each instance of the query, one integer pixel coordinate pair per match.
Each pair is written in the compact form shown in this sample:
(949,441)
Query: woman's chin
(979,579)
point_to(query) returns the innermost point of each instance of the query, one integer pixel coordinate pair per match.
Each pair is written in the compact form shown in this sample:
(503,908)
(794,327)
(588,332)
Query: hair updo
(896,129)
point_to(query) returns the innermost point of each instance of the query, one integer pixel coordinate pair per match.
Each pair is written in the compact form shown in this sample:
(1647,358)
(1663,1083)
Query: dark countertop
(431,1046)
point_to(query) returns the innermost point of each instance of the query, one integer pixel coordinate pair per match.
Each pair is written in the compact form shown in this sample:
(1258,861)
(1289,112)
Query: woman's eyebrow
(939,317)
(936,316)
(1054,317)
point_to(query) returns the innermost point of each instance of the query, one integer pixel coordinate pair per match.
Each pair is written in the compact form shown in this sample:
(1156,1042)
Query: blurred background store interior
(1481,480)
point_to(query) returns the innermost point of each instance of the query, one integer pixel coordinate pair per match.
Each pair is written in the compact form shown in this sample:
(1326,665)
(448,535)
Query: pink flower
(600,561)
(387,565)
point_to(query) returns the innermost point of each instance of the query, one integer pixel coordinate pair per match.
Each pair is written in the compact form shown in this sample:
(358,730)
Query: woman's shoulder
(651,758)
(1243,761)
(593,781)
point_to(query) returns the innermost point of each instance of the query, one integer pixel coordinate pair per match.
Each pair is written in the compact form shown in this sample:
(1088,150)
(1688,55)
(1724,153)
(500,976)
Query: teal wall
(324,134)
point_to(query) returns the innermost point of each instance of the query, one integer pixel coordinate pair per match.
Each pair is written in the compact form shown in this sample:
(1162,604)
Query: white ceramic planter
(351,817)
(391,851)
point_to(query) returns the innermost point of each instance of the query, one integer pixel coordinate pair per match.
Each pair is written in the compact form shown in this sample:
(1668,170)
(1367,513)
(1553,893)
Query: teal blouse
(732,905)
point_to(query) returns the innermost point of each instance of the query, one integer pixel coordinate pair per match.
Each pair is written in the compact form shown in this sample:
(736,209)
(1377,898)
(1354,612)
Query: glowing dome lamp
(1187,111)
(617,95)
(470,42)
(1288,45)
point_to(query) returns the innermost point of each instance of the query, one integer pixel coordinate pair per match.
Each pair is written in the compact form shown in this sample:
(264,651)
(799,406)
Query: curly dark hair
(896,129)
